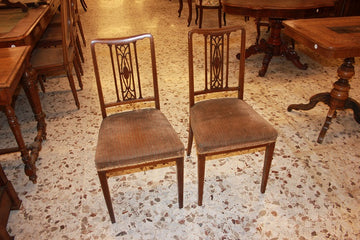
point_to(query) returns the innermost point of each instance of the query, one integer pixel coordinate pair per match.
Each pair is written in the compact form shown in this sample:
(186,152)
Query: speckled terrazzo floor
(313,190)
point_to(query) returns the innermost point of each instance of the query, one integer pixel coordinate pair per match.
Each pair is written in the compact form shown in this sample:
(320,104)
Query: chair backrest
(118,76)
(216,62)
(66,28)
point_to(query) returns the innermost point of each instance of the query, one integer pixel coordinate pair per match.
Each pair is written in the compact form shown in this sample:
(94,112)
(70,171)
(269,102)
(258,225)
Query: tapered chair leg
(78,46)
(72,86)
(106,192)
(201,178)
(78,75)
(180,179)
(81,32)
(190,141)
(267,164)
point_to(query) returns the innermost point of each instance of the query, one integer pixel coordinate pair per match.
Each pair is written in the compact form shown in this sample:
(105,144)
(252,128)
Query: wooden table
(332,38)
(15,68)
(19,28)
(277,11)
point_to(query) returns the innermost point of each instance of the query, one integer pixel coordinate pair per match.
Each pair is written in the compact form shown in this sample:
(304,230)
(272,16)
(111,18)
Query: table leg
(338,98)
(30,169)
(30,88)
(274,46)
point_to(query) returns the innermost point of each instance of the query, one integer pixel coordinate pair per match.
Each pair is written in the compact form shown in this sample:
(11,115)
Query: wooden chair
(208,4)
(138,135)
(53,36)
(54,60)
(221,123)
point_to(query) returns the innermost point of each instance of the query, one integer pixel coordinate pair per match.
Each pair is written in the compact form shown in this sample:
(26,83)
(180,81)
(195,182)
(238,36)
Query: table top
(11,69)
(278,8)
(331,37)
(25,28)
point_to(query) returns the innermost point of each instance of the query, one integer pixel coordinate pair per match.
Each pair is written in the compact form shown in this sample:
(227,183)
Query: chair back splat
(220,120)
(134,133)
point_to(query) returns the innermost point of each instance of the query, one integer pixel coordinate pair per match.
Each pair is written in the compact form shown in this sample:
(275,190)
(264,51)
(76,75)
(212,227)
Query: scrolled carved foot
(320,97)
(355,106)
(292,56)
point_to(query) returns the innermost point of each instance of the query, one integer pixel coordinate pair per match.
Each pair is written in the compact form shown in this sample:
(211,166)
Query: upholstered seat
(244,126)
(119,133)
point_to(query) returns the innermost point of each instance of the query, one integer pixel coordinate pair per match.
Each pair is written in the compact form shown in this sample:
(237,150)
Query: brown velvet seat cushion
(135,137)
(228,124)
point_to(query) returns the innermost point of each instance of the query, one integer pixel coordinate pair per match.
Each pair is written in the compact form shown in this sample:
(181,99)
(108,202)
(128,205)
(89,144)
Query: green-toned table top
(9,18)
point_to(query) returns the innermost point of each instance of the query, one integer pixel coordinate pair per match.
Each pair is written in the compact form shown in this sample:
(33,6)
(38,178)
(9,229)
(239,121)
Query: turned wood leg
(266,61)
(339,95)
(28,82)
(30,169)
(338,98)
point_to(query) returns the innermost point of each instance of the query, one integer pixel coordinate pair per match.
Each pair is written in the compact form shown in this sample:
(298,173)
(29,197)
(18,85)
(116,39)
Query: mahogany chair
(134,133)
(51,61)
(219,122)
(200,5)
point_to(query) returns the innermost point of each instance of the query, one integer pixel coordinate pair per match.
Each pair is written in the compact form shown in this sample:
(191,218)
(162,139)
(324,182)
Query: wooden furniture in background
(134,133)
(15,67)
(277,11)
(332,38)
(24,29)
(29,28)
(58,59)
(222,124)
(8,201)
(200,5)
(348,8)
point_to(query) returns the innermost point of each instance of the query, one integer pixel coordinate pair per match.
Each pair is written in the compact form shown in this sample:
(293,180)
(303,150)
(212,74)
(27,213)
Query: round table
(277,11)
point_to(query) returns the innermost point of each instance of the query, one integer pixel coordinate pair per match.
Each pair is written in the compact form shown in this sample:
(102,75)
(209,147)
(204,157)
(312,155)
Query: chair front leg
(180,180)
(267,164)
(201,178)
(106,192)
